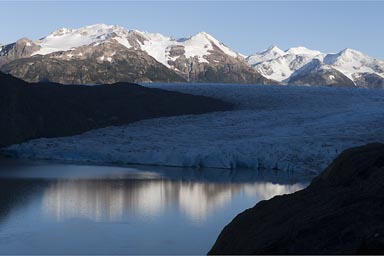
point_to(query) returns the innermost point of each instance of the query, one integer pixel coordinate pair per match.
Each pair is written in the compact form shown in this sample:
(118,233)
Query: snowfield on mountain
(298,129)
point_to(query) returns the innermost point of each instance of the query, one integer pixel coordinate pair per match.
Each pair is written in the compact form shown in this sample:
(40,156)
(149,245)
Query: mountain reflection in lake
(112,200)
(64,209)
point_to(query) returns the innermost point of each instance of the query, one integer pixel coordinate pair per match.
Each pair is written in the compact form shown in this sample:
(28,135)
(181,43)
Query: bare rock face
(369,80)
(22,48)
(218,68)
(341,212)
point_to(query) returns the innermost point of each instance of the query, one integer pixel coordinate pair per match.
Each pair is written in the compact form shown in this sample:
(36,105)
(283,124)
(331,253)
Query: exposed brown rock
(22,48)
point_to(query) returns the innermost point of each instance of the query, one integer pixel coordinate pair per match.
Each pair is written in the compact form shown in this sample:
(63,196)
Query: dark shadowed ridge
(34,110)
(341,212)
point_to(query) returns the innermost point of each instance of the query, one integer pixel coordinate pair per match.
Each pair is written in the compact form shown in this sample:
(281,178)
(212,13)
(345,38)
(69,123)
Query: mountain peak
(99,26)
(347,55)
(274,50)
(203,34)
(95,30)
(351,52)
(271,53)
(62,31)
(206,40)
(67,38)
(301,50)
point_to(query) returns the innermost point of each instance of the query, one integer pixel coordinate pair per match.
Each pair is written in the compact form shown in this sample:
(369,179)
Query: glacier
(277,128)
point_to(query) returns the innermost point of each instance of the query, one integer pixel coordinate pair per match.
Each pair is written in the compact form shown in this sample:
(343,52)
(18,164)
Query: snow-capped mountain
(353,63)
(301,50)
(279,65)
(317,73)
(299,65)
(106,54)
(197,58)
(155,44)
(272,52)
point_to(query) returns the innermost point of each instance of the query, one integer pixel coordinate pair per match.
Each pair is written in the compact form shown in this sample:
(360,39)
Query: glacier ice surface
(297,129)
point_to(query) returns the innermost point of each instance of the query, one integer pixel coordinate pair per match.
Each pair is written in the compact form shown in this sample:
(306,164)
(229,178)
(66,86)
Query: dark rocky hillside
(367,80)
(30,111)
(341,212)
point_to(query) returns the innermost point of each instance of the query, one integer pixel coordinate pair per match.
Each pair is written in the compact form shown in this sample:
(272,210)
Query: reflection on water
(100,200)
(141,210)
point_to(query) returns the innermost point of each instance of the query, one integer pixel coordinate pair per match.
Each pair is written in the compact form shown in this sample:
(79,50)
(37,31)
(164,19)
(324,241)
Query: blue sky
(245,26)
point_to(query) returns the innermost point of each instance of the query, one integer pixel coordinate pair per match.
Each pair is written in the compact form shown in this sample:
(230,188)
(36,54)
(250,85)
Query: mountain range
(304,66)
(100,54)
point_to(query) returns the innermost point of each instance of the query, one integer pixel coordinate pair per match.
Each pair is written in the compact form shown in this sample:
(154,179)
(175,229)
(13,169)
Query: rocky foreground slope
(341,212)
(51,110)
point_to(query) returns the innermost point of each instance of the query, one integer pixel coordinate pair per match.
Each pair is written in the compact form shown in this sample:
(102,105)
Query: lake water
(80,209)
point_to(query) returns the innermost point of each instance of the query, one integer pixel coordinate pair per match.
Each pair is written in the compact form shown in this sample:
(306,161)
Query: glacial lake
(56,208)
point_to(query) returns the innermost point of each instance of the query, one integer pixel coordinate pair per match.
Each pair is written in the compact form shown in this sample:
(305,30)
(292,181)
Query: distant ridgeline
(102,54)
(36,110)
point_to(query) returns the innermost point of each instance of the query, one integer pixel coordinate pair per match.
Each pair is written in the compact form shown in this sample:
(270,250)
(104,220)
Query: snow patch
(156,45)
(123,41)
(198,45)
